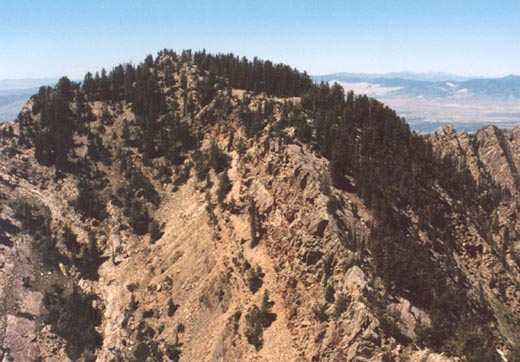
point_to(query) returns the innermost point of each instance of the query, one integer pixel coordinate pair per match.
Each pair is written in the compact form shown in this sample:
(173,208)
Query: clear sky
(43,38)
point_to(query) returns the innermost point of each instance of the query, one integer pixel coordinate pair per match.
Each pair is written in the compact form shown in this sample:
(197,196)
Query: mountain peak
(207,207)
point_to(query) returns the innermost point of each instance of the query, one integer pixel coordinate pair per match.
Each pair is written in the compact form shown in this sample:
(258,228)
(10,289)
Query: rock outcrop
(248,253)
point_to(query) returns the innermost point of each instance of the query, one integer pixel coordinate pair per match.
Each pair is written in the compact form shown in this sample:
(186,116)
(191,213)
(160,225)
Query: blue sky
(69,37)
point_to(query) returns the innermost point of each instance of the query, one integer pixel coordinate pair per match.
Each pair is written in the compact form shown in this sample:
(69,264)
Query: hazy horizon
(56,38)
(51,78)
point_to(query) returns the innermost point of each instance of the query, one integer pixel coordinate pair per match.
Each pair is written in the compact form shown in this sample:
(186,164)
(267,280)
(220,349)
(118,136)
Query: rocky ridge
(282,228)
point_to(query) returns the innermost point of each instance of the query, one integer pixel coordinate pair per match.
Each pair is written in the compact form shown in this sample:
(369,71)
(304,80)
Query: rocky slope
(491,260)
(272,264)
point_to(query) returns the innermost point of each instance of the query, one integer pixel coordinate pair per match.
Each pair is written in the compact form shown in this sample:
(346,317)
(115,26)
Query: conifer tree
(253,223)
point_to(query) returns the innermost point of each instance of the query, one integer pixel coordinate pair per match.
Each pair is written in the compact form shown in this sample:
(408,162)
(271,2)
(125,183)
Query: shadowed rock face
(490,151)
(491,154)
(199,289)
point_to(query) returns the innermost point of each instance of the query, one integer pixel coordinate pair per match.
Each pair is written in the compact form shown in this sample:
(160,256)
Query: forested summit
(173,98)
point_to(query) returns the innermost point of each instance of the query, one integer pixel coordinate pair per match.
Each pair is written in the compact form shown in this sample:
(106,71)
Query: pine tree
(252,223)
(89,201)
(338,162)
(154,231)
(88,86)
(224,186)
(104,86)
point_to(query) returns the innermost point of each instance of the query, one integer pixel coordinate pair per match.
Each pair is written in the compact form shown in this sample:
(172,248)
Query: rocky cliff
(208,226)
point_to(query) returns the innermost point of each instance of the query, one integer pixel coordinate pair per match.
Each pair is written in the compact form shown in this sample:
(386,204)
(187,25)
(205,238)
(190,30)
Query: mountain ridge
(468,104)
(405,75)
(25,83)
(491,87)
(205,207)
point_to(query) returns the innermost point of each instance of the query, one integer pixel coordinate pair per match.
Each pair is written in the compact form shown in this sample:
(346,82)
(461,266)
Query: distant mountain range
(431,84)
(17,84)
(12,101)
(14,93)
(431,100)
(428,77)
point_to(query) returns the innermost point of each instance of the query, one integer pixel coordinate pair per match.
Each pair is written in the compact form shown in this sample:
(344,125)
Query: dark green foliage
(340,305)
(7,230)
(175,139)
(164,174)
(74,319)
(224,186)
(154,230)
(173,351)
(135,209)
(469,340)
(388,317)
(144,331)
(200,164)
(106,118)
(253,121)
(140,185)
(338,166)
(83,114)
(253,223)
(257,319)
(217,159)
(231,139)
(181,328)
(236,320)
(90,258)
(241,147)
(293,116)
(183,175)
(395,170)
(349,240)
(98,152)
(125,132)
(265,309)
(133,305)
(7,132)
(329,293)
(54,141)
(254,278)
(104,85)
(138,218)
(320,312)
(88,86)
(148,313)
(150,348)
(253,330)
(26,129)
(162,129)
(328,264)
(36,220)
(304,131)
(26,282)
(209,184)
(334,203)
(89,201)
(172,308)
(214,158)
(256,75)
(141,351)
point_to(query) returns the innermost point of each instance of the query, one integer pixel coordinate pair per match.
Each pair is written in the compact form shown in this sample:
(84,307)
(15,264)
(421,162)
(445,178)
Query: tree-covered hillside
(412,193)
